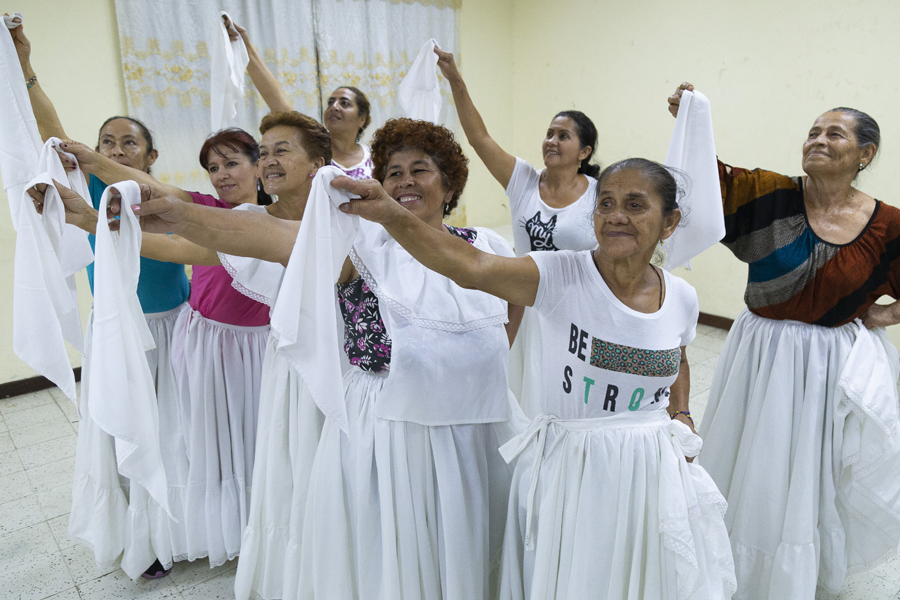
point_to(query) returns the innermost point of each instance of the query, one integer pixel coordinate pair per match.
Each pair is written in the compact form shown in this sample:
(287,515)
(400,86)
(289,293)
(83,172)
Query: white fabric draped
(693,151)
(48,252)
(123,396)
(229,62)
(420,91)
(166,49)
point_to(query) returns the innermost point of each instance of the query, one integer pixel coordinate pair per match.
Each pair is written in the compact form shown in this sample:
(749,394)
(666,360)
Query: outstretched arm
(513,279)
(48,121)
(264,80)
(165,248)
(109,171)
(498,161)
(241,233)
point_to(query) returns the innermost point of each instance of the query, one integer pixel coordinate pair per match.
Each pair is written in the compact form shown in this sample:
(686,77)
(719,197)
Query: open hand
(675,99)
(374,203)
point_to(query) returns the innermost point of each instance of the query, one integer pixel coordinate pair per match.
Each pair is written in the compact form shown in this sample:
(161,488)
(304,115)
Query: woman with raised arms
(551,207)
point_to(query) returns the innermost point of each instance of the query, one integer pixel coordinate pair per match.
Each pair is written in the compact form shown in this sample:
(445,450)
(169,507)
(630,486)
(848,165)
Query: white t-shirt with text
(600,357)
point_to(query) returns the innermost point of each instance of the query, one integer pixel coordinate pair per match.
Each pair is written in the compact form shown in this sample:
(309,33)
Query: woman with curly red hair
(410,498)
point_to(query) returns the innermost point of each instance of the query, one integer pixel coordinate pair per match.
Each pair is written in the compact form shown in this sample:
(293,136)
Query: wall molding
(32,384)
(715,321)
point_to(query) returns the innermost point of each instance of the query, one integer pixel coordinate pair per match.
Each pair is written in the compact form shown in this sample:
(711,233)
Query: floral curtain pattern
(312,47)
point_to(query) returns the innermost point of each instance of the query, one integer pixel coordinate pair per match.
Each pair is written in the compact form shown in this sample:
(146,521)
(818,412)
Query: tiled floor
(37,457)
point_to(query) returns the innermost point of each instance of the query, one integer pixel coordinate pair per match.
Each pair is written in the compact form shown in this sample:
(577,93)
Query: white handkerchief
(693,151)
(305,317)
(20,141)
(419,92)
(8,21)
(122,396)
(48,254)
(226,76)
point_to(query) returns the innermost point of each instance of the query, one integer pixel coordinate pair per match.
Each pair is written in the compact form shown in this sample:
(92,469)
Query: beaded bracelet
(29,83)
(682,412)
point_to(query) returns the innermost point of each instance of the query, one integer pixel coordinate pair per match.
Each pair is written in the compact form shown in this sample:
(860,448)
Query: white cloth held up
(229,61)
(48,254)
(122,396)
(304,317)
(20,141)
(693,151)
(419,92)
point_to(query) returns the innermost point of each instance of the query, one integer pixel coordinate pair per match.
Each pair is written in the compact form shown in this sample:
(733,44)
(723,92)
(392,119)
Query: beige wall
(768,68)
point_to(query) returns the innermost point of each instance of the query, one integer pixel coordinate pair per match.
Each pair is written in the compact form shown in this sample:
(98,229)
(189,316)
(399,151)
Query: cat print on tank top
(540,233)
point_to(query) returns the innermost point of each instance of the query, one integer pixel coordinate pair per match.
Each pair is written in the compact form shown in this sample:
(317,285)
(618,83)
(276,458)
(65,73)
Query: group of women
(428,480)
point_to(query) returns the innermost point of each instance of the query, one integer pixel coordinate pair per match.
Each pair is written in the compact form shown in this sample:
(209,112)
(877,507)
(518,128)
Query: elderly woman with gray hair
(801,431)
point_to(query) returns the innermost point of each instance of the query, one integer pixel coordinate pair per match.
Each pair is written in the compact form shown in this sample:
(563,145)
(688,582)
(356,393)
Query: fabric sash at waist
(684,441)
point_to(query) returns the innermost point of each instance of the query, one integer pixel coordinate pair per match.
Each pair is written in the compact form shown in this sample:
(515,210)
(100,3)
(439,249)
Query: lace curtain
(312,46)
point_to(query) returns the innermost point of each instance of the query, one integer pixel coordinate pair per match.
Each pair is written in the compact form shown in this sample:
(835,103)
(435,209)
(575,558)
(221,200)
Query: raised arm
(498,161)
(109,171)
(264,80)
(512,279)
(48,121)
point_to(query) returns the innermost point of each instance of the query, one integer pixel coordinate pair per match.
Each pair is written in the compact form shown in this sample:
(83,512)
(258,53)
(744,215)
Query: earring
(861,166)
(311,175)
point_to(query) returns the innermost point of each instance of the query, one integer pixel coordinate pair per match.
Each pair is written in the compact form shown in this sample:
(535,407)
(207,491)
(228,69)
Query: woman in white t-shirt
(550,207)
(603,503)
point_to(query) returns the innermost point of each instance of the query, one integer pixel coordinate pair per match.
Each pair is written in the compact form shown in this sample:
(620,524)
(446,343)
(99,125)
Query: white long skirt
(616,512)
(772,448)
(525,365)
(289,427)
(219,371)
(398,510)
(105,517)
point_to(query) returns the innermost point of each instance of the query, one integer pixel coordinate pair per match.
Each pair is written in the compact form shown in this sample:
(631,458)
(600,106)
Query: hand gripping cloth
(419,92)
(122,398)
(229,61)
(693,151)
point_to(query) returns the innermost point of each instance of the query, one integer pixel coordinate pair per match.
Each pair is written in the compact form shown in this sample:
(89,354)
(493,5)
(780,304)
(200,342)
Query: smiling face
(629,220)
(284,165)
(122,141)
(233,175)
(342,113)
(414,180)
(561,145)
(832,149)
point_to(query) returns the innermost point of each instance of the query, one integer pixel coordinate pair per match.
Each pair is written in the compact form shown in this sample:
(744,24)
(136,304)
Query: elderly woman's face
(284,165)
(122,141)
(413,179)
(831,148)
(629,220)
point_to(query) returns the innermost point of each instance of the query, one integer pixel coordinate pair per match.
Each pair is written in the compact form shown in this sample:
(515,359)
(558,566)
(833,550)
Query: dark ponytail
(587,136)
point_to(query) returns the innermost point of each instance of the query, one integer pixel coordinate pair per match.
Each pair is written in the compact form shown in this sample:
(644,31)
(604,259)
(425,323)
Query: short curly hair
(434,140)
(316,139)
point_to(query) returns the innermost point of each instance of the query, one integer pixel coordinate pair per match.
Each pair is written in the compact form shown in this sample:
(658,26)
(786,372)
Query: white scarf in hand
(226,76)
(48,254)
(305,318)
(122,395)
(419,92)
(693,151)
